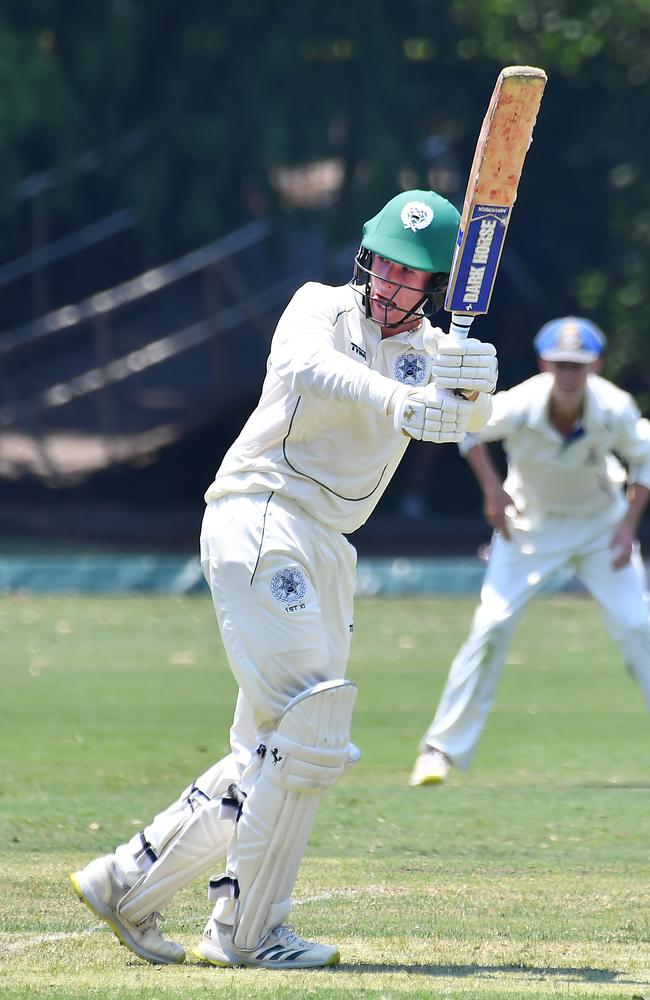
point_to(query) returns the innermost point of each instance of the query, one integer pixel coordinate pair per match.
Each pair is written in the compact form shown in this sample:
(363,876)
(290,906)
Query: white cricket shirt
(578,475)
(320,433)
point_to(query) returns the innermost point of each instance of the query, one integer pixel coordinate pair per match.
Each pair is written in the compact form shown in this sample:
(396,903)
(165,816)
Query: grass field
(526,878)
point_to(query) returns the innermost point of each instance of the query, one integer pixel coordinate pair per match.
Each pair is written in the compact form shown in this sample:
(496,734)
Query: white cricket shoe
(280,949)
(98,886)
(431,768)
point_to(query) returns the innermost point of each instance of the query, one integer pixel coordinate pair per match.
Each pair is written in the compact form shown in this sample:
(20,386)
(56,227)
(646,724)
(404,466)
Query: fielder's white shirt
(549,474)
(320,434)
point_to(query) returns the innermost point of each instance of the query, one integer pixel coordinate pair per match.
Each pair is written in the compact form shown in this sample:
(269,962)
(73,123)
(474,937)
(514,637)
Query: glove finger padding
(465,364)
(450,347)
(430,415)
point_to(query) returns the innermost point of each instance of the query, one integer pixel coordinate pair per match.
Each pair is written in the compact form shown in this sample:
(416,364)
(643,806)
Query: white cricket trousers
(282,586)
(516,570)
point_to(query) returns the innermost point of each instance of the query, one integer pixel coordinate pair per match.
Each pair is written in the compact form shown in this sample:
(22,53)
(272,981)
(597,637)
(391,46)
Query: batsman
(349,383)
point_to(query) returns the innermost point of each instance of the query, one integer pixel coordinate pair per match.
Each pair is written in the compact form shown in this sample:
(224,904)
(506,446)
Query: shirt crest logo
(410,369)
(289,585)
(416,215)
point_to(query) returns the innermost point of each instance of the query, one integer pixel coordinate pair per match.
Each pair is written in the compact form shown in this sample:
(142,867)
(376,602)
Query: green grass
(525,878)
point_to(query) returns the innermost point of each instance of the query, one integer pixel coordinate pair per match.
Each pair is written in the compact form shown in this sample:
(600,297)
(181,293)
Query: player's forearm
(308,353)
(637,498)
(329,374)
(483,468)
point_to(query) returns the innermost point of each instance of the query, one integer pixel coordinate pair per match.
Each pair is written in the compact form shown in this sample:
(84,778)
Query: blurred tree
(191,112)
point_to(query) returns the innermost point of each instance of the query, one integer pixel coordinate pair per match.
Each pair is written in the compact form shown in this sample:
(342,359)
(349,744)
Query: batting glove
(463,364)
(430,414)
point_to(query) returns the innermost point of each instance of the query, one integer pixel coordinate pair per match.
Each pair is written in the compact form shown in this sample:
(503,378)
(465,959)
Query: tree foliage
(193,108)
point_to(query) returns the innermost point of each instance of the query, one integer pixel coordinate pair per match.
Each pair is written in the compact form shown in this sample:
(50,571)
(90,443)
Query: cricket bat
(503,142)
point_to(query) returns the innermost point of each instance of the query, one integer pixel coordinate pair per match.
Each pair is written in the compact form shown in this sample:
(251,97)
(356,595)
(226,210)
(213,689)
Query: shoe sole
(429,779)
(95,906)
(225,964)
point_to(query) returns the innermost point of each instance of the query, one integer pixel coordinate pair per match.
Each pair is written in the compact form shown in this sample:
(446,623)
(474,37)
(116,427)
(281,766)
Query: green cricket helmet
(417,229)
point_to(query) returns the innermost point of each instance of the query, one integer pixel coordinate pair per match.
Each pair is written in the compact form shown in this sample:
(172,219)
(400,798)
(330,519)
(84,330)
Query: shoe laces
(150,923)
(287,933)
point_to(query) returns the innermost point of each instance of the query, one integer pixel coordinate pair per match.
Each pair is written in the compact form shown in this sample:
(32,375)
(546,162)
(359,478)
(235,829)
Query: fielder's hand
(463,364)
(496,504)
(622,545)
(430,414)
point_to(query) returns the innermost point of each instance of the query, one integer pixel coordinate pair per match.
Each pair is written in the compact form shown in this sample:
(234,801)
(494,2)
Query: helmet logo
(569,337)
(416,215)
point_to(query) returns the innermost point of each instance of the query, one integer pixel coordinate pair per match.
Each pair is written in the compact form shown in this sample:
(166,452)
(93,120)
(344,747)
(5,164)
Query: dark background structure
(172,172)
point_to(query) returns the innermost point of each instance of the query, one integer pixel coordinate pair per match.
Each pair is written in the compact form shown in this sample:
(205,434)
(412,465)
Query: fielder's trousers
(516,571)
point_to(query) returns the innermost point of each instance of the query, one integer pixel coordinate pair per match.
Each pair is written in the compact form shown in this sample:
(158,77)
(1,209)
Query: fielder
(562,504)
(349,382)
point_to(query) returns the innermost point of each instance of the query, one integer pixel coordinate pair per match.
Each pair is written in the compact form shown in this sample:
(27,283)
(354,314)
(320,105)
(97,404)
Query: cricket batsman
(564,503)
(348,384)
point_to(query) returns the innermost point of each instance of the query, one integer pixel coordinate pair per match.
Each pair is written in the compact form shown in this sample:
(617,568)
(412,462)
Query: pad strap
(198,845)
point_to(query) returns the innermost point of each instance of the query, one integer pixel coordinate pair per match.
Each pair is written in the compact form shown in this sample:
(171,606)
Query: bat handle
(459,326)
(458,329)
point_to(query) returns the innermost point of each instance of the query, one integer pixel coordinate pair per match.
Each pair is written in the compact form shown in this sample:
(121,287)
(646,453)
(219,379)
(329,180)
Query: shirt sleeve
(633,443)
(505,418)
(304,354)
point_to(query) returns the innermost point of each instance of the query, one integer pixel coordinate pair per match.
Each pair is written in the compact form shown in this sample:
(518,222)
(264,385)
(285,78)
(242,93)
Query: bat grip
(459,326)
(458,330)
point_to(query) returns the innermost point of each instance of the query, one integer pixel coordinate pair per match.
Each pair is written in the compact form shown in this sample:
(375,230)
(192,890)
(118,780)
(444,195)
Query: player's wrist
(492,490)
(481,412)
(395,402)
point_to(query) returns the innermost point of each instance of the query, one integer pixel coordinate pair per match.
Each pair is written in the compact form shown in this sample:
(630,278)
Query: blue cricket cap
(570,338)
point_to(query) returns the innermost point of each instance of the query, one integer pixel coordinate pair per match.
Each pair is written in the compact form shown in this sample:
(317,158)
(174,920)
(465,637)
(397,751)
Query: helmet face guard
(417,229)
(430,302)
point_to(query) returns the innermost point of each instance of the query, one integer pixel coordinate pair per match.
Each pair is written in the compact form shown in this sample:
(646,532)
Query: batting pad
(305,756)
(201,841)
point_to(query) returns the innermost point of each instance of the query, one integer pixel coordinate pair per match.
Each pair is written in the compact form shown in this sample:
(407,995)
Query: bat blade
(502,145)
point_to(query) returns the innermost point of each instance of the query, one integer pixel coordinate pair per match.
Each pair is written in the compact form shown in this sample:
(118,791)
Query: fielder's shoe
(281,949)
(98,886)
(431,768)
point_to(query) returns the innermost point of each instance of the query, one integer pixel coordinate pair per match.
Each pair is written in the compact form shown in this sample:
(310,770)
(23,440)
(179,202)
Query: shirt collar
(594,416)
(415,338)
(538,409)
(365,327)
(411,338)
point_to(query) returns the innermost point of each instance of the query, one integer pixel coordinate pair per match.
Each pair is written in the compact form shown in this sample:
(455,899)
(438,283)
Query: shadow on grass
(489,971)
